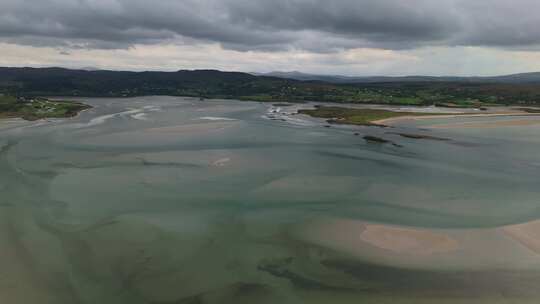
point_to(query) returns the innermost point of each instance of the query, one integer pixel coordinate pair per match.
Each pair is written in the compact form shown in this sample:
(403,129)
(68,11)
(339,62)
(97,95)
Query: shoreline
(386,122)
(389,121)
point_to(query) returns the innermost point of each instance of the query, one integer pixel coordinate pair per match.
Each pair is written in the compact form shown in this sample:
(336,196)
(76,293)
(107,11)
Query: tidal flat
(160,200)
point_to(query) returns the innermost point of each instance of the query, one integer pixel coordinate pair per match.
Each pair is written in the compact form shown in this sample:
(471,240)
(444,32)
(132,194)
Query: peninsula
(32,109)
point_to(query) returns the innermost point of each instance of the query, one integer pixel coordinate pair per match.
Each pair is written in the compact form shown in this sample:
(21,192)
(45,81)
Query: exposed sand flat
(224,108)
(10,120)
(527,234)
(390,121)
(193,128)
(162,135)
(408,241)
(420,248)
(353,236)
(6,123)
(491,124)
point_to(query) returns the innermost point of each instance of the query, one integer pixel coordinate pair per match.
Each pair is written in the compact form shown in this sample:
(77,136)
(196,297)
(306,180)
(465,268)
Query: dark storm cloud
(500,23)
(314,25)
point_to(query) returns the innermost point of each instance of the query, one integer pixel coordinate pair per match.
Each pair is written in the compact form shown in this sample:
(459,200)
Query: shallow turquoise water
(174,200)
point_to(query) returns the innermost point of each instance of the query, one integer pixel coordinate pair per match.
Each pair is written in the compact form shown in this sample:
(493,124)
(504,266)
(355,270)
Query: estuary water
(169,200)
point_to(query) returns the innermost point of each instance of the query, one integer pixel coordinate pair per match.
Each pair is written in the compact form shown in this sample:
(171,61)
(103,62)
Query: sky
(345,37)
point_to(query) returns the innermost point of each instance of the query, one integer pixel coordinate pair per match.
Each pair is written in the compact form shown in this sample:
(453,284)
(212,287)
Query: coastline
(388,116)
(390,121)
(58,109)
(385,122)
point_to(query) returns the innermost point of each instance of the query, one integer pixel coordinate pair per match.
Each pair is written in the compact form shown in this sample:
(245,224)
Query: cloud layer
(318,26)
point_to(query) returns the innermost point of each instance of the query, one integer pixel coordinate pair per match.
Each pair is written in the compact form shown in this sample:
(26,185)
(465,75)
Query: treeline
(29,82)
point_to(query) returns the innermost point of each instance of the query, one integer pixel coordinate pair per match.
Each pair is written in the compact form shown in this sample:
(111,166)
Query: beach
(394,120)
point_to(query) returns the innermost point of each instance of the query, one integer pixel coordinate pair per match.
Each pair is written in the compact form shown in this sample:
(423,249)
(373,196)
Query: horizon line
(92,69)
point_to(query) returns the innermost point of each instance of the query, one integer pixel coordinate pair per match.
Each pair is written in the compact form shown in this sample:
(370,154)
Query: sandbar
(408,240)
(390,121)
(527,234)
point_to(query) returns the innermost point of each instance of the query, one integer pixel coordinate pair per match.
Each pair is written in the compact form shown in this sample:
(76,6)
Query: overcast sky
(349,37)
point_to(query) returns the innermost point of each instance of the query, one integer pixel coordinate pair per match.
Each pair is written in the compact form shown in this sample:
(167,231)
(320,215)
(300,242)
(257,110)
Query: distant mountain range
(60,81)
(514,78)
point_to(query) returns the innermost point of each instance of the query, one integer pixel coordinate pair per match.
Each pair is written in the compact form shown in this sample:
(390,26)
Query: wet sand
(488,124)
(527,234)
(355,236)
(6,123)
(408,241)
(163,135)
(193,128)
(429,249)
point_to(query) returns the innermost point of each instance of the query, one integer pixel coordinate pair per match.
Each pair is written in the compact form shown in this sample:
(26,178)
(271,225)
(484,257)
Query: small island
(361,117)
(34,108)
